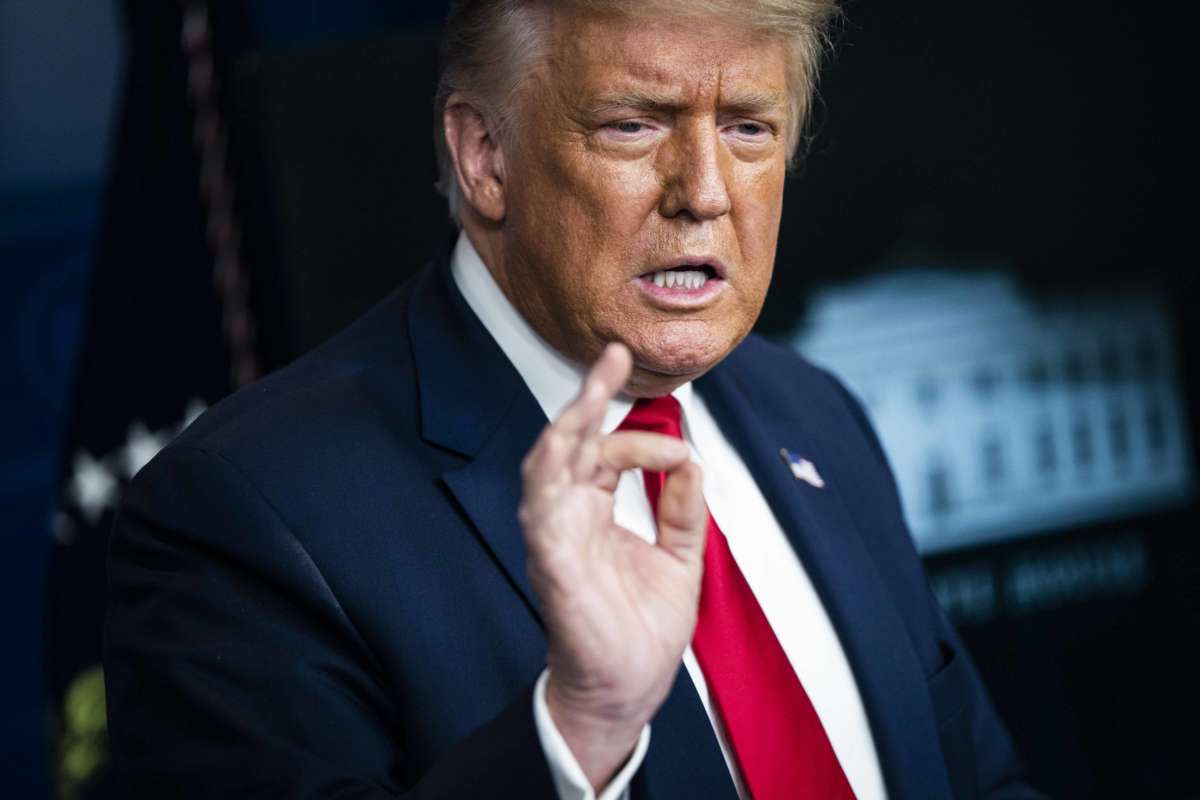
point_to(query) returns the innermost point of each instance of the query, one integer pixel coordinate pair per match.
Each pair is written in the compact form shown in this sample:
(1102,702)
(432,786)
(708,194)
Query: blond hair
(489,46)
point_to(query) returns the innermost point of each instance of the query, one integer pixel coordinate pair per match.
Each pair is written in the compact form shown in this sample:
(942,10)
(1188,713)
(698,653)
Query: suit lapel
(489,490)
(474,403)
(821,530)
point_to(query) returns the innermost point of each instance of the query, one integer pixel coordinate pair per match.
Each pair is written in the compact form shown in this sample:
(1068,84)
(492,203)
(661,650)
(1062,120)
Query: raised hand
(618,611)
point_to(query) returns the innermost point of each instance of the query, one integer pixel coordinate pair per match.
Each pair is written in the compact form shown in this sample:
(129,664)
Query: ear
(478,160)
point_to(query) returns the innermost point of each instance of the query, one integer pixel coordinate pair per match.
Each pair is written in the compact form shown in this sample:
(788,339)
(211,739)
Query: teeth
(684,279)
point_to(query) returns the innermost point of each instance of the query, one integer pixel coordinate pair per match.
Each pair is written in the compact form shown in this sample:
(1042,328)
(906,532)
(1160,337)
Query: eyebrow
(753,101)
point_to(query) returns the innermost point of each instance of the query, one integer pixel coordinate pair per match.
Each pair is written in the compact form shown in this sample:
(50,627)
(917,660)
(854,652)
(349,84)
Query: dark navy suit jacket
(319,589)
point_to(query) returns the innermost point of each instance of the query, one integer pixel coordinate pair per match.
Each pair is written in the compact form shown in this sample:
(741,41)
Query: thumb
(682,515)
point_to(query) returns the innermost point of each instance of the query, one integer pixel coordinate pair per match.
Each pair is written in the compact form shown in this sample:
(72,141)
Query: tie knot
(654,414)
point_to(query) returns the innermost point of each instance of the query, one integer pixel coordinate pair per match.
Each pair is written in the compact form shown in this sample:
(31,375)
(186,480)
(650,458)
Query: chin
(679,353)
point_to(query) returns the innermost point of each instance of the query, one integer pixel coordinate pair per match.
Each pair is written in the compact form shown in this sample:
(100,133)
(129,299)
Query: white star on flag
(93,486)
(141,446)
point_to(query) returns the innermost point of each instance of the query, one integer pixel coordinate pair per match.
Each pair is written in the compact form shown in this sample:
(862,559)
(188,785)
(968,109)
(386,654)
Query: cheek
(615,200)
(601,222)
(758,210)
(587,210)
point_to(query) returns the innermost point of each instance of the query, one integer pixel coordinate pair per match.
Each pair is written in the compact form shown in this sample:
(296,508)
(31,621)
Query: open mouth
(686,277)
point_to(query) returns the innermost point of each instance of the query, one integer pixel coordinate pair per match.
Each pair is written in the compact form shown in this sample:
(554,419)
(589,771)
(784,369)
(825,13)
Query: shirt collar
(553,379)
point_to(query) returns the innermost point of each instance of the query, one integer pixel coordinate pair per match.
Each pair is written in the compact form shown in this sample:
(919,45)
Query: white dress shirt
(758,544)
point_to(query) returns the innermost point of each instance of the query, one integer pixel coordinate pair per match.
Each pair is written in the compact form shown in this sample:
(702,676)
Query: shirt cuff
(568,776)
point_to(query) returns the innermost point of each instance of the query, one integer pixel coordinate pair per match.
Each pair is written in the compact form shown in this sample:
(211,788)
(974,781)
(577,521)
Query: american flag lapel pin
(802,469)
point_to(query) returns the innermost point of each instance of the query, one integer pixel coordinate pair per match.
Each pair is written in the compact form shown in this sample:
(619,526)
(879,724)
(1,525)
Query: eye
(630,133)
(628,126)
(751,130)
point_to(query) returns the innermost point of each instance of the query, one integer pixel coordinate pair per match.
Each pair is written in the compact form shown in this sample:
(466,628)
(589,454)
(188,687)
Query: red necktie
(777,738)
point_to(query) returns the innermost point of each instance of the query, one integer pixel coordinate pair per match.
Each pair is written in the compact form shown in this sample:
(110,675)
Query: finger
(585,459)
(682,515)
(548,460)
(640,449)
(627,450)
(606,377)
(606,478)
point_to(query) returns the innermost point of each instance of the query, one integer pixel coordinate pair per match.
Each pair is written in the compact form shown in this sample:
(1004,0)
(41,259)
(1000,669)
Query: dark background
(1040,136)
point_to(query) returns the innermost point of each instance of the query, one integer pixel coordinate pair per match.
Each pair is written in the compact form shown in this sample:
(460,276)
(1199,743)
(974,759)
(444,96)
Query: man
(442,556)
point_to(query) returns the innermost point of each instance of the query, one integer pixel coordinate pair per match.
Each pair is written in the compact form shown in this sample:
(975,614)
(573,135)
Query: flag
(167,332)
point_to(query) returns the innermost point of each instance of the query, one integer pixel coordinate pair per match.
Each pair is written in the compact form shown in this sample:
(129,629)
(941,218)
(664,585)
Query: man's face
(643,197)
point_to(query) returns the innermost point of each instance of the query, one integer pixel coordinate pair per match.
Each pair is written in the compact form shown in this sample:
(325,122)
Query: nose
(693,174)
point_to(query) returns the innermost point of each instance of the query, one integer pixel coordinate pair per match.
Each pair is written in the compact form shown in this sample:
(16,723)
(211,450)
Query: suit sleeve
(973,737)
(232,671)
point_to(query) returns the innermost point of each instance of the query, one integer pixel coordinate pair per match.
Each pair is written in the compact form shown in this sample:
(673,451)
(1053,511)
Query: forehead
(685,59)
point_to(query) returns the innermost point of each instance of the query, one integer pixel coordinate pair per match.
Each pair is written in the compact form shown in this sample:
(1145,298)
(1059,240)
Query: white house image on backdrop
(1004,416)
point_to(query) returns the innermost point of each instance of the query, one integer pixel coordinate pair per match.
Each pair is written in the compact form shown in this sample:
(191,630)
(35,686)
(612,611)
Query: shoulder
(769,365)
(284,474)
(805,406)
(340,415)
(784,384)
(361,378)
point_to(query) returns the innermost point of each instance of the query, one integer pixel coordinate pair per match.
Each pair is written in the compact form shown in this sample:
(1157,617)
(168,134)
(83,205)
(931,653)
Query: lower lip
(679,297)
